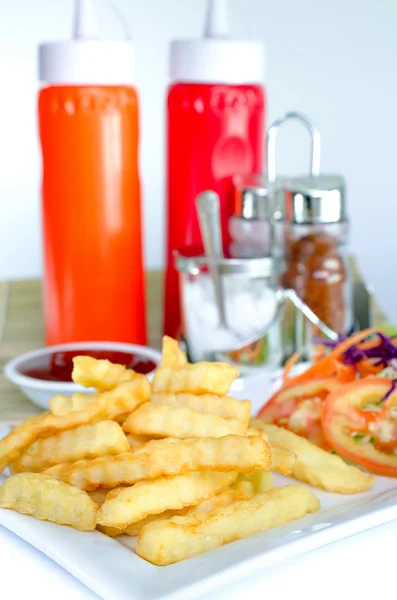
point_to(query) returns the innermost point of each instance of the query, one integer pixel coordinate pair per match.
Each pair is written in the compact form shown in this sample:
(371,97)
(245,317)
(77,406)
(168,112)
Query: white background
(335,61)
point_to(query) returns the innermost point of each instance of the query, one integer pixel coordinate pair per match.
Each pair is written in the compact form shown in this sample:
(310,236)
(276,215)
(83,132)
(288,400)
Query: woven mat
(21,330)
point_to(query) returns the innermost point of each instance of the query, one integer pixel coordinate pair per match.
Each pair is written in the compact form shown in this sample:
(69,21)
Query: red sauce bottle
(216,121)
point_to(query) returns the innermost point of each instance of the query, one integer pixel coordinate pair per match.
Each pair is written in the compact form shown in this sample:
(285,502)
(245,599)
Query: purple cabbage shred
(385,354)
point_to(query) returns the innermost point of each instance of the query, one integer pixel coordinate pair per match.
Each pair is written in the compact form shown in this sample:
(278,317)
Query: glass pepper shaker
(316,248)
(311,236)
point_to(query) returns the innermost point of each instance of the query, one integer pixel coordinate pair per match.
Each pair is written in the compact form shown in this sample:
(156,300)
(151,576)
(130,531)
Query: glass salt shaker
(250,226)
(251,303)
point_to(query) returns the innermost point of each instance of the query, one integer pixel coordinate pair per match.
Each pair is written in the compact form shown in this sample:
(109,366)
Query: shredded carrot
(289,365)
(319,353)
(366,368)
(325,367)
(344,373)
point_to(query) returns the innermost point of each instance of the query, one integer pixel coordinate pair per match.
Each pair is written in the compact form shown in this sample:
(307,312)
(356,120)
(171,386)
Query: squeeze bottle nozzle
(217,24)
(85,20)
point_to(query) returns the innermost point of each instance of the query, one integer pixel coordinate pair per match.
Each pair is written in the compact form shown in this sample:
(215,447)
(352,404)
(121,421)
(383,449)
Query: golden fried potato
(240,490)
(318,467)
(99,495)
(134,503)
(47,499)
(108,406)
(136,441)
(99,374)
(200,378)
(172,355)
(110,531)
(225,407)
(283,460)
(169,541)
(261,481)
(86,441)
(167,458)
(244,487)
(166,421)
(134,529)
(60,405)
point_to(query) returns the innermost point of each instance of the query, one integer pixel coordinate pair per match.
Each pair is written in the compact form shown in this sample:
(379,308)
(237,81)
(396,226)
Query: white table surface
(362,566)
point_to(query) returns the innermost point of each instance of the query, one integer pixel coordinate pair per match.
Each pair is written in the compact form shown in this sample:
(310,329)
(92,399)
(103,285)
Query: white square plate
(112,569)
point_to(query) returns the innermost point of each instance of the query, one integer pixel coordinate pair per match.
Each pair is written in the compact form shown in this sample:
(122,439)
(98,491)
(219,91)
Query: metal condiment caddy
(273,305)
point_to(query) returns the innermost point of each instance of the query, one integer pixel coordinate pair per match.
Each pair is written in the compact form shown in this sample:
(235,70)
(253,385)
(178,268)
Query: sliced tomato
(359,426)
(298,407)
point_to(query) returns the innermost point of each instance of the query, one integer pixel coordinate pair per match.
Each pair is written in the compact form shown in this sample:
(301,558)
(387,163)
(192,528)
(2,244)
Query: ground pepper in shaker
(316,258)
(250,226)
(311,245)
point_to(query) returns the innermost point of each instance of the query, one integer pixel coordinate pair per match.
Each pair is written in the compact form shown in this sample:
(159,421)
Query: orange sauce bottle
(88,124)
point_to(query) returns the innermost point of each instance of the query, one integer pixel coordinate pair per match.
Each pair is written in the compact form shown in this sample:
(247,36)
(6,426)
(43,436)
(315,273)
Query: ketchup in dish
(59,365)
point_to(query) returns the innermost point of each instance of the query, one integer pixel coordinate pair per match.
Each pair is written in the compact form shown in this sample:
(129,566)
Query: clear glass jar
(251,304)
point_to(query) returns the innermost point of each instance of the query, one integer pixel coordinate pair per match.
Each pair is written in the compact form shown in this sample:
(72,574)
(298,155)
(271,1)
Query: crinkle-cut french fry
(168,457)
(167,421)
(200,378)
(108,406)
(47,499)
(256,431)
(316,466)
(261,481)
(100,374)
(60,405)
(255,424)
(166,493)
(283,460)
(135,528)
(136,441)
(110,531)
(84,442)
(169,541)
(242,489)
(225,407)
(172,355)
(99,495)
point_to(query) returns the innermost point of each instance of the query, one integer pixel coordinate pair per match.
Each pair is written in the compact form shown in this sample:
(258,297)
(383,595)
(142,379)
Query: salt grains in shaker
(251,305)
(250,225)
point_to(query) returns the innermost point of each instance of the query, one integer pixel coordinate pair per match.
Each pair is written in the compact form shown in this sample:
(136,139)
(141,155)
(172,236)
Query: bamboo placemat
(21,330)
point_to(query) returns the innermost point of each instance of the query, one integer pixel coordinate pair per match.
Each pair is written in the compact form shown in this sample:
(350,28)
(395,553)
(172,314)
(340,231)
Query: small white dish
(40,391)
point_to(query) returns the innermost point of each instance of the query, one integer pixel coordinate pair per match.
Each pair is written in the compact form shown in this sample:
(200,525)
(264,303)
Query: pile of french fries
(177,462)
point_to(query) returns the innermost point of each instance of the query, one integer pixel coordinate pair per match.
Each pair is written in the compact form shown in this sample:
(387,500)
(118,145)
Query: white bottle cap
(86,60)
(216,58)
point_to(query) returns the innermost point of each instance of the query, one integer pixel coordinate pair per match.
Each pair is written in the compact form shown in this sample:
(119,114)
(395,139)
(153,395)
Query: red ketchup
(59,365)
(216,120)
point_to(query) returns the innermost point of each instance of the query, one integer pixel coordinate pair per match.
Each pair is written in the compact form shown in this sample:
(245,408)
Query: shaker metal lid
(315,199)
(251,200)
